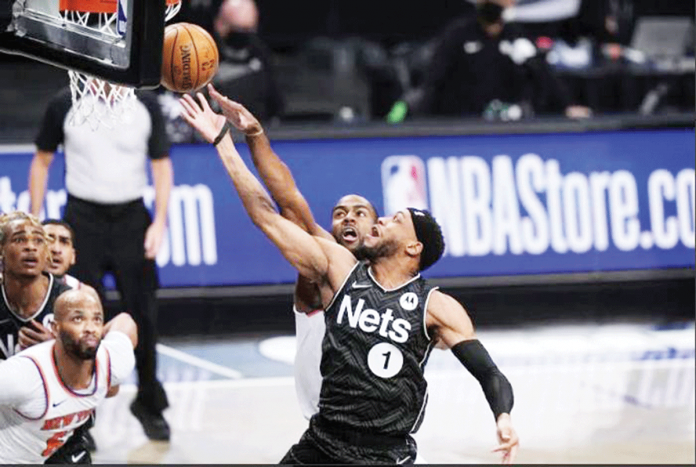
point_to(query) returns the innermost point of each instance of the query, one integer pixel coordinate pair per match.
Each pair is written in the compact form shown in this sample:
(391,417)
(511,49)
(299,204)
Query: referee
(105,177)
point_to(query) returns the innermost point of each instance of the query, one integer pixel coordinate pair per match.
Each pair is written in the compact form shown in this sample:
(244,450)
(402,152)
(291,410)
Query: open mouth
(349,234)
(30,262)
(375,231)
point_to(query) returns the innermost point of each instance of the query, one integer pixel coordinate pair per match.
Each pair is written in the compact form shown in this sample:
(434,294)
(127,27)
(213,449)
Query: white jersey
(38,412)
(309,332)
(72,282)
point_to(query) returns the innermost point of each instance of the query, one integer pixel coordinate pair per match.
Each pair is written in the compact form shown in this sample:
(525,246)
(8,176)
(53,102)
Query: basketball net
(97,101)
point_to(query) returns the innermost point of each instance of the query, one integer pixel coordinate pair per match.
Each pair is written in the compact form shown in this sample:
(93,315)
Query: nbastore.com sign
(508,204)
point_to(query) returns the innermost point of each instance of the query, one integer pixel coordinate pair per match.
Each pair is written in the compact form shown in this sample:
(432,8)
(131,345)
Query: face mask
(238,40)
(489,12)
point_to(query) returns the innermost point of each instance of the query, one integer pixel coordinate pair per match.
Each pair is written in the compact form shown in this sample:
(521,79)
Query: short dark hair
(63,224)
(429,233)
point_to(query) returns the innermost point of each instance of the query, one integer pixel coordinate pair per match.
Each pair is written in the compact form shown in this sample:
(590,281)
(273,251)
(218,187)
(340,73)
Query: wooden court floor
(620,393)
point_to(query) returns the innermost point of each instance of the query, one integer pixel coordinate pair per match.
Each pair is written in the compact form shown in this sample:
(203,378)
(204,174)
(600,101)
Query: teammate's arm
(123,322)
(303,252)
(38,177)
(274,173)
(453,327)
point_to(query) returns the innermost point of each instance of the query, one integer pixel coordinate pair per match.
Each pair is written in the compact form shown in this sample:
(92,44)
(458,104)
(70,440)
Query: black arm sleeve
(495,385)
(158,144)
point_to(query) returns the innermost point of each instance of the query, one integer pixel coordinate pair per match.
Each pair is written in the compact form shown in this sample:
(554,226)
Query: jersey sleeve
(51,131)
(20,382)
(158,144)
(121,356)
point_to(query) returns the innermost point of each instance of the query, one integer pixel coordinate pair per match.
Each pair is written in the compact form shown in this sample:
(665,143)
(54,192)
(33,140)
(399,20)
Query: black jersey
(10,323)
(373,356)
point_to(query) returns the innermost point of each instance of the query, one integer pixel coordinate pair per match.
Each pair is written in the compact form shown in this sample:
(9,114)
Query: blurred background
(559,161)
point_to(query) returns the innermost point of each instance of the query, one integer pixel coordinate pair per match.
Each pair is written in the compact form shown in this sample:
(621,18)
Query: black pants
(110,238)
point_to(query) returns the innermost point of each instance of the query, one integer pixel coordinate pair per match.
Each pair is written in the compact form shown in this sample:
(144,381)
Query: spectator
(482,63)
(246,72)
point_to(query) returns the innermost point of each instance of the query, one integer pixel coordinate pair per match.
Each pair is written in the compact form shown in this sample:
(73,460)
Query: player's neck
(75,373)
(391,272)
(25,294)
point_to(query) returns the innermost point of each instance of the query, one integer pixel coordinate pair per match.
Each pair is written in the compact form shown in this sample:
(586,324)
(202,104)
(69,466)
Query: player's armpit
(447,320)
(113,391)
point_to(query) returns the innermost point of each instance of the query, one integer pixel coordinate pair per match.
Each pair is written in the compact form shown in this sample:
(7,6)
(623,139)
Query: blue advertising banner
(508,204)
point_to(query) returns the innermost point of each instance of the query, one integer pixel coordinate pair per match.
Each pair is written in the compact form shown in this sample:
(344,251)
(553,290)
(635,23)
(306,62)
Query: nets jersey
(31,431)
(374,352)
(10,322)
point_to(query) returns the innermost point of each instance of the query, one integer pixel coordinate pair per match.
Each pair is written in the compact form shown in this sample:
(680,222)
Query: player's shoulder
(36,355)
(58,286)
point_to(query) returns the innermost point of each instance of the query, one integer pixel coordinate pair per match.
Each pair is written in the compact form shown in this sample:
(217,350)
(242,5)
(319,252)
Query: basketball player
(28,292)
(19,330)
(52,388)
(62,247)
(352,219)
(382,320)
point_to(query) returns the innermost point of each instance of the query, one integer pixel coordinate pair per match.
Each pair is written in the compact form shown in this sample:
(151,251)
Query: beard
(373,253)
(77,348)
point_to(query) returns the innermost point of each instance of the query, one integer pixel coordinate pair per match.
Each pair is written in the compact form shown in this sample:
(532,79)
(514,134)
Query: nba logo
(122,17)
(403,183)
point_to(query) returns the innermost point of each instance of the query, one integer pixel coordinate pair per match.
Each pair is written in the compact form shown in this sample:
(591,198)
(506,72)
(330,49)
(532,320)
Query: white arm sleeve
(121,354)
(20,382)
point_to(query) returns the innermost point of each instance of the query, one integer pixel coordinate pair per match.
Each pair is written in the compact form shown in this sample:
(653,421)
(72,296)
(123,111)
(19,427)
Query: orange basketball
(189,57)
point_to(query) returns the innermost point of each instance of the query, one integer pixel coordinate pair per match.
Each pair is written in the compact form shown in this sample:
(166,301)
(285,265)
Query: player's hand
(153,239)
(34,333)
(507,439)
(201,117)
(236,113)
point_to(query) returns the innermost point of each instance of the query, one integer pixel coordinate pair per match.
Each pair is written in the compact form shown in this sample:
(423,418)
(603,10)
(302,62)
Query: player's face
(81,328)
(390,234)
(25,251)
(61,247)
(351,220)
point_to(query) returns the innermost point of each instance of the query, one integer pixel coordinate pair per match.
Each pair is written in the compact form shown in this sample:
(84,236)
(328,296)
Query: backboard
(119,41)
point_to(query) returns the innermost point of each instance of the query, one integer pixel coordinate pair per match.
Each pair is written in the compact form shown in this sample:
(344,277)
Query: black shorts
(325,443)
(75,450)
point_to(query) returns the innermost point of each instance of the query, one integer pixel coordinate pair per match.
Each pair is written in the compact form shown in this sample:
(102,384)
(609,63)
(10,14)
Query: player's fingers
(203,101)
(512,455)
(185,108)
(39,326)
(189,104)
(31,334)
(502,447)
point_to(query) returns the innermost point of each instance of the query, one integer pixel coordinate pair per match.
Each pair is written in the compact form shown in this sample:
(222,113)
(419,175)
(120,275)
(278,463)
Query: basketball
(189,57)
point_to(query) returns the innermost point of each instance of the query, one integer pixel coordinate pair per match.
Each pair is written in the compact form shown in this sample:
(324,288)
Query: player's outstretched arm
(452,325)
(274,173)
(302,250)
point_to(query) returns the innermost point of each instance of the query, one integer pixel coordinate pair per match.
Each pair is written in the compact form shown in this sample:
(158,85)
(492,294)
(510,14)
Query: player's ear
(414,248)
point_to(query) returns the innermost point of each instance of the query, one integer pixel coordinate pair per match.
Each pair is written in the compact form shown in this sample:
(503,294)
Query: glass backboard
(116,40)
